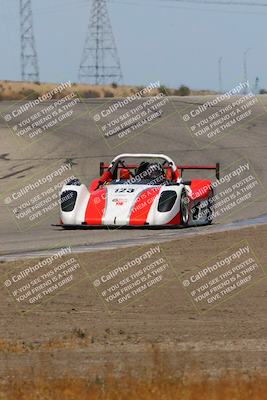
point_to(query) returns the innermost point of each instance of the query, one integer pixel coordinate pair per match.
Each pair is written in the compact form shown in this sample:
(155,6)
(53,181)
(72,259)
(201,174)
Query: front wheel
(184,208)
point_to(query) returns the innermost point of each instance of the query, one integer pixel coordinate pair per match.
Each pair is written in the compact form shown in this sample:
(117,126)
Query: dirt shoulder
(74,332)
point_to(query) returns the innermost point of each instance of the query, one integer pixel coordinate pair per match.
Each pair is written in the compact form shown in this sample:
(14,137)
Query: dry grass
(17,90)
(157,388)
(161,383)
(10,90)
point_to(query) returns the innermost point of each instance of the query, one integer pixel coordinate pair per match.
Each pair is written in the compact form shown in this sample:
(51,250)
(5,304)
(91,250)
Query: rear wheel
(74,181)
(184,208)
(210,207)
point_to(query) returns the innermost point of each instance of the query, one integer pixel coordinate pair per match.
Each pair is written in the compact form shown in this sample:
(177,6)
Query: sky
(173,42)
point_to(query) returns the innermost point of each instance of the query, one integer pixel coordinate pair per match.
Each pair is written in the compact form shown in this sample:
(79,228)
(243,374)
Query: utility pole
(220,74)
(245,67)
(29,62)
(256,88)
(100,62)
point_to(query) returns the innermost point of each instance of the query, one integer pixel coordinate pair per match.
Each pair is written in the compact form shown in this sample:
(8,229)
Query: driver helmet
(155,172)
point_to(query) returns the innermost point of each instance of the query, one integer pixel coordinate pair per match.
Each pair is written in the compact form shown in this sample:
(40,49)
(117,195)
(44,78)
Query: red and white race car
(149,192)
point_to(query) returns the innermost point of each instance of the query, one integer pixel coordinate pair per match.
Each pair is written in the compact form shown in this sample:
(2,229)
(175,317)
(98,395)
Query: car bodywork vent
(68,200)
(167,200)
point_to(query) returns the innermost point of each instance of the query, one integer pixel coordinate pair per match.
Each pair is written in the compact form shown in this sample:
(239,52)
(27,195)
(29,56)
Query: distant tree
(108,93)
(88,94)
(182,91)
(163,89)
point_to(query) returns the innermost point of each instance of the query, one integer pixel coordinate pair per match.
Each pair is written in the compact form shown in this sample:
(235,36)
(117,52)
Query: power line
(177,6)
(78,4)
(221,3)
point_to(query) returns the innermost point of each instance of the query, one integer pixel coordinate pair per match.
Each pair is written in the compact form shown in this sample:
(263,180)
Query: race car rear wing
(215,168)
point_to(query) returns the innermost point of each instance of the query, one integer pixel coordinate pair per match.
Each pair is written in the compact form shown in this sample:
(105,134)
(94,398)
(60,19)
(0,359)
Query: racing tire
(184,208)
(74,181)
(210,207)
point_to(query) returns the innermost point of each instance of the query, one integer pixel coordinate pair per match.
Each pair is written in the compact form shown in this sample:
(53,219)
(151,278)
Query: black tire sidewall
(184,196)
(210,207)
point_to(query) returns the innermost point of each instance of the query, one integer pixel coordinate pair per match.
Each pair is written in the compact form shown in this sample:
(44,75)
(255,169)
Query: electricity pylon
(100,62)
(29,62)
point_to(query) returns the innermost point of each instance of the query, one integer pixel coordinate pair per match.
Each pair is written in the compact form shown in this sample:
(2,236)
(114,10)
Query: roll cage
(175,172)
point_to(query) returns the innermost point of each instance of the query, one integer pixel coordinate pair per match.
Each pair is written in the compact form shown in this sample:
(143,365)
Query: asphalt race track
(78,141)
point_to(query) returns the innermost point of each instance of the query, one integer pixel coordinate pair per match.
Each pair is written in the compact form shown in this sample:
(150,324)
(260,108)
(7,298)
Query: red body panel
(142,206)
(96,208)
(200,189)
(176,220)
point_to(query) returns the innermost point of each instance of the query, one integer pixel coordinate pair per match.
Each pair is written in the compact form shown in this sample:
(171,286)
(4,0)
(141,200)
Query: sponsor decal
(120,202)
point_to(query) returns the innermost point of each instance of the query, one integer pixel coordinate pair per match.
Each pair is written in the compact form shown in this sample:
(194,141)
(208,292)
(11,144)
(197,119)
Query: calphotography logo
(130,116)
(37,117)
(132,278)
(222,114)
(224,276)
(32,200)
(37,283)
